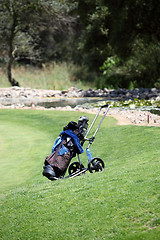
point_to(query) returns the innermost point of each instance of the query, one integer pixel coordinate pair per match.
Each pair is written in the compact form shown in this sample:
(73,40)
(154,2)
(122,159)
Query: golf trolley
(95,164)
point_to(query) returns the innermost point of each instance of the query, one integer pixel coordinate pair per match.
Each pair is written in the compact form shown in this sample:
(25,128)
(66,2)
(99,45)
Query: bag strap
(55,153)
(57,150)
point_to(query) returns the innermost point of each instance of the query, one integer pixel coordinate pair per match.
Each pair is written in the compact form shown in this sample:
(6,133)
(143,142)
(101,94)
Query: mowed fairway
(123,202)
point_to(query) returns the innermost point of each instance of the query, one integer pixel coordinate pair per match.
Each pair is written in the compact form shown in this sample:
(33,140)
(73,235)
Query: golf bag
(67,145)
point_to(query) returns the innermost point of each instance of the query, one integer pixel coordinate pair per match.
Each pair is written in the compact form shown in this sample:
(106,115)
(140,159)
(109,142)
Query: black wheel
(96,164)
(74,167)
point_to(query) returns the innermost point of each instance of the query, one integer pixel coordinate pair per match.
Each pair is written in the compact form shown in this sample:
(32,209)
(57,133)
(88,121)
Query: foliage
(109,64)
(143,65)
(22,26)
(113,75)
(132,19)
(58,37)
(17,30)
(36,32)
(120,31)
(141,68)
(123,202)
(132,104)
(93,41)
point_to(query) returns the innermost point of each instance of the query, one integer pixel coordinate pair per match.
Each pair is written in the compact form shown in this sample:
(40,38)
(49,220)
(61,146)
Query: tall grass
(52,76)
(121,203)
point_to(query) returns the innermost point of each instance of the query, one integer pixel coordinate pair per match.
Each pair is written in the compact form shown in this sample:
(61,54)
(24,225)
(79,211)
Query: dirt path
(130,117)
(123,117)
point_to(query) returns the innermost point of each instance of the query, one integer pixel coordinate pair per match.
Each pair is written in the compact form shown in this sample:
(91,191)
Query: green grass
(123,202)
(54,76)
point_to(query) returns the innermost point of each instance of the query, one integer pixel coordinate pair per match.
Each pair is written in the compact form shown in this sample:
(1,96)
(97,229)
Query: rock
(73,92)
(64,91)
(105,90)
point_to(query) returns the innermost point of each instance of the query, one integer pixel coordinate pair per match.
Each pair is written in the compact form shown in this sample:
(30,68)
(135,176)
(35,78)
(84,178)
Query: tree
(135,37)
(22,23)
(131,20)
(123,29)
(14,17)
(94,40)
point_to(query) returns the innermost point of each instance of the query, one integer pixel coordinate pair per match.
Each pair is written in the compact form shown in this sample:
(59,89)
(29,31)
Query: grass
(53,76)
(123,202)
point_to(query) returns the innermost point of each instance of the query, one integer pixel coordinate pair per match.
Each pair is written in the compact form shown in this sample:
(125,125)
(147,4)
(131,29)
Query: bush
(114,74)
(141,69)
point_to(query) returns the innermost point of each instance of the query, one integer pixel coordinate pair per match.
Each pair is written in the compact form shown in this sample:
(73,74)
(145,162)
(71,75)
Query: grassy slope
(123,202)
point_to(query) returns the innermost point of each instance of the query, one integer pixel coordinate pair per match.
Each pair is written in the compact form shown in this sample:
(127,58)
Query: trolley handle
(106,105)
(99,123)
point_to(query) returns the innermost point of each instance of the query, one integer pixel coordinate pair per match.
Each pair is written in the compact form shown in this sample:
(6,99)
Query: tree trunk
(12,81)
(9,70)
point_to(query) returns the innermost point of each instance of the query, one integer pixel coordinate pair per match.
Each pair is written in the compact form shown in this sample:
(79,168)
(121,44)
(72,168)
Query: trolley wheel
(96,164)
(74,167)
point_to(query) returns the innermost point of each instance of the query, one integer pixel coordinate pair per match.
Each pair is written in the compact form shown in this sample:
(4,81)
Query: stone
(73,92)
